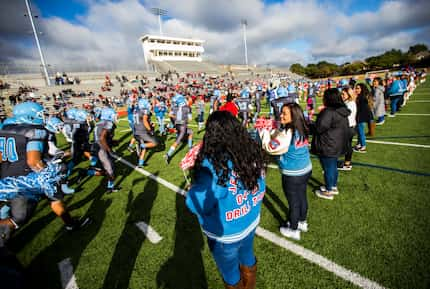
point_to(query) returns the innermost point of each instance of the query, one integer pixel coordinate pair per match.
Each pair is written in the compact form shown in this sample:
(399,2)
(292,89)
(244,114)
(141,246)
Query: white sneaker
(290,233)
(66,190)
(303,226)
(324,195)
(334,191)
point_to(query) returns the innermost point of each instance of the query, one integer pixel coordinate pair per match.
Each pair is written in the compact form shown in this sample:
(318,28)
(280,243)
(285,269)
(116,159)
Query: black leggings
(348,154)
(295,190)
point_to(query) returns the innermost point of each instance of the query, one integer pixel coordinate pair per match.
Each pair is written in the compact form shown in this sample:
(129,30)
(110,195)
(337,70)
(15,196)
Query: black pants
(295,190)
(348,154)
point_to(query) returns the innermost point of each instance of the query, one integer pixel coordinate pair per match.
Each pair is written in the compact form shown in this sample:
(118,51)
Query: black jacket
(331,133)
(364,113)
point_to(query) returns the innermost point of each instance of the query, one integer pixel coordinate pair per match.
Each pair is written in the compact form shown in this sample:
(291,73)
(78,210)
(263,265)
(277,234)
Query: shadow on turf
(185,269)
(269,199)
(314,183)
(30,230)
(123,145)
(43,270)
(131,240)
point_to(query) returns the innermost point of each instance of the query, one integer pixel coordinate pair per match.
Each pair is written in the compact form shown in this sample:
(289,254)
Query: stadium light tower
(159,12)
(244,24)
(42,60)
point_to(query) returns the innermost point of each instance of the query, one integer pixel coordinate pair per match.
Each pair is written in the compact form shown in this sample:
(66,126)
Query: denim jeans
(295,191)
(228,257)
(394,101)
(380,119)
(361,133)
(329,166)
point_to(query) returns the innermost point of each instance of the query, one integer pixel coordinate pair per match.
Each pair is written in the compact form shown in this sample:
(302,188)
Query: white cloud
(391,17)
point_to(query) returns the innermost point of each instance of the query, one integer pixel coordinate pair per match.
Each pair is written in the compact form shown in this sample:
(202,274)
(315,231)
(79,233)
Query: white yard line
(152,176)
(149,232)
(124,130)
(321,261)
(68,279)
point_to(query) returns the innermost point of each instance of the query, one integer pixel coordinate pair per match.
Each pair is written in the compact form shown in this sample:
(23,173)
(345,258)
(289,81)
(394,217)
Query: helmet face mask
(71,113)
(143,103)
(81,115)
(108,114)
(54,125)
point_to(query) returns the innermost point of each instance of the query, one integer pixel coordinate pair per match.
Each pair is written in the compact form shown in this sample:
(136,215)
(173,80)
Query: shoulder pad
(32,132)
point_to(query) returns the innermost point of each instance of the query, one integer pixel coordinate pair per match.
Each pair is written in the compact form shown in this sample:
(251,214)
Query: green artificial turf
(378,226)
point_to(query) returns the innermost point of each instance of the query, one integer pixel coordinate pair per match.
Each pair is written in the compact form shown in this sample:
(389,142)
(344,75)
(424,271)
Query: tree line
(417,56)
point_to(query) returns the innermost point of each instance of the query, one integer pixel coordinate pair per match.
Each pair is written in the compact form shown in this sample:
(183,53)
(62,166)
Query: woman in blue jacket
(290,143)
(226,196)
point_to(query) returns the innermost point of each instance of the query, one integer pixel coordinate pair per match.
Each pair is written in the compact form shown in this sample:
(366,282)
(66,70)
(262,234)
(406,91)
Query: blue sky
(69,9)
(90,32)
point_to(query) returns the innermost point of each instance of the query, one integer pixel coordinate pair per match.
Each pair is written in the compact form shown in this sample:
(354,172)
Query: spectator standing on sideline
(290,143)
(378,104)
(395,92)
(330,140)
(226,196)
(364,115)
(348,97)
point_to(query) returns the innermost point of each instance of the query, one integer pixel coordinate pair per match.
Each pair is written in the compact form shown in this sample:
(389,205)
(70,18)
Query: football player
(143,130)
(182,117)
(25,177)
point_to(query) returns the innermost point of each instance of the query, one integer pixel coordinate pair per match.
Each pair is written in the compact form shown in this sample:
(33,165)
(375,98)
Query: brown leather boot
(249,276)
(239,285)
(372,128)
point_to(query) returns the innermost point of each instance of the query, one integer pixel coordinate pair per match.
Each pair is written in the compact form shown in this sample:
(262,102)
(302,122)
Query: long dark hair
(298,122)
(365,94)
(332,98)
(227,140)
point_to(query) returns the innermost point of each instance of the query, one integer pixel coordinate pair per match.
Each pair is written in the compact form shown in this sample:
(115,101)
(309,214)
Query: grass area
(378,226)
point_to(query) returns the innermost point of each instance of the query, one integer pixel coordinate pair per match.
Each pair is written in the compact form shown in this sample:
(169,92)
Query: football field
(374,234)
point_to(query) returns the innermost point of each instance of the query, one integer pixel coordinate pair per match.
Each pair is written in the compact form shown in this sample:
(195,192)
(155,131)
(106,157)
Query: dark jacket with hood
(332,132)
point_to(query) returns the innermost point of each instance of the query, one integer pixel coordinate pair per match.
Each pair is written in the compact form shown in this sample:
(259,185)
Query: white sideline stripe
(399,144)
(151,176)
(149,232)
(68,279)
(383,142)
(414,114)
(272,166)
(412,101)
(321,261)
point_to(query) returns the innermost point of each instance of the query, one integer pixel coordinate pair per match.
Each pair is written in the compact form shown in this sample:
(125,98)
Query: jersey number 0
(8,149)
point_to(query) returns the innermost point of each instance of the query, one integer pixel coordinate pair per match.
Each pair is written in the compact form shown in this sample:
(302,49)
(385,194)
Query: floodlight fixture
(159,12)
